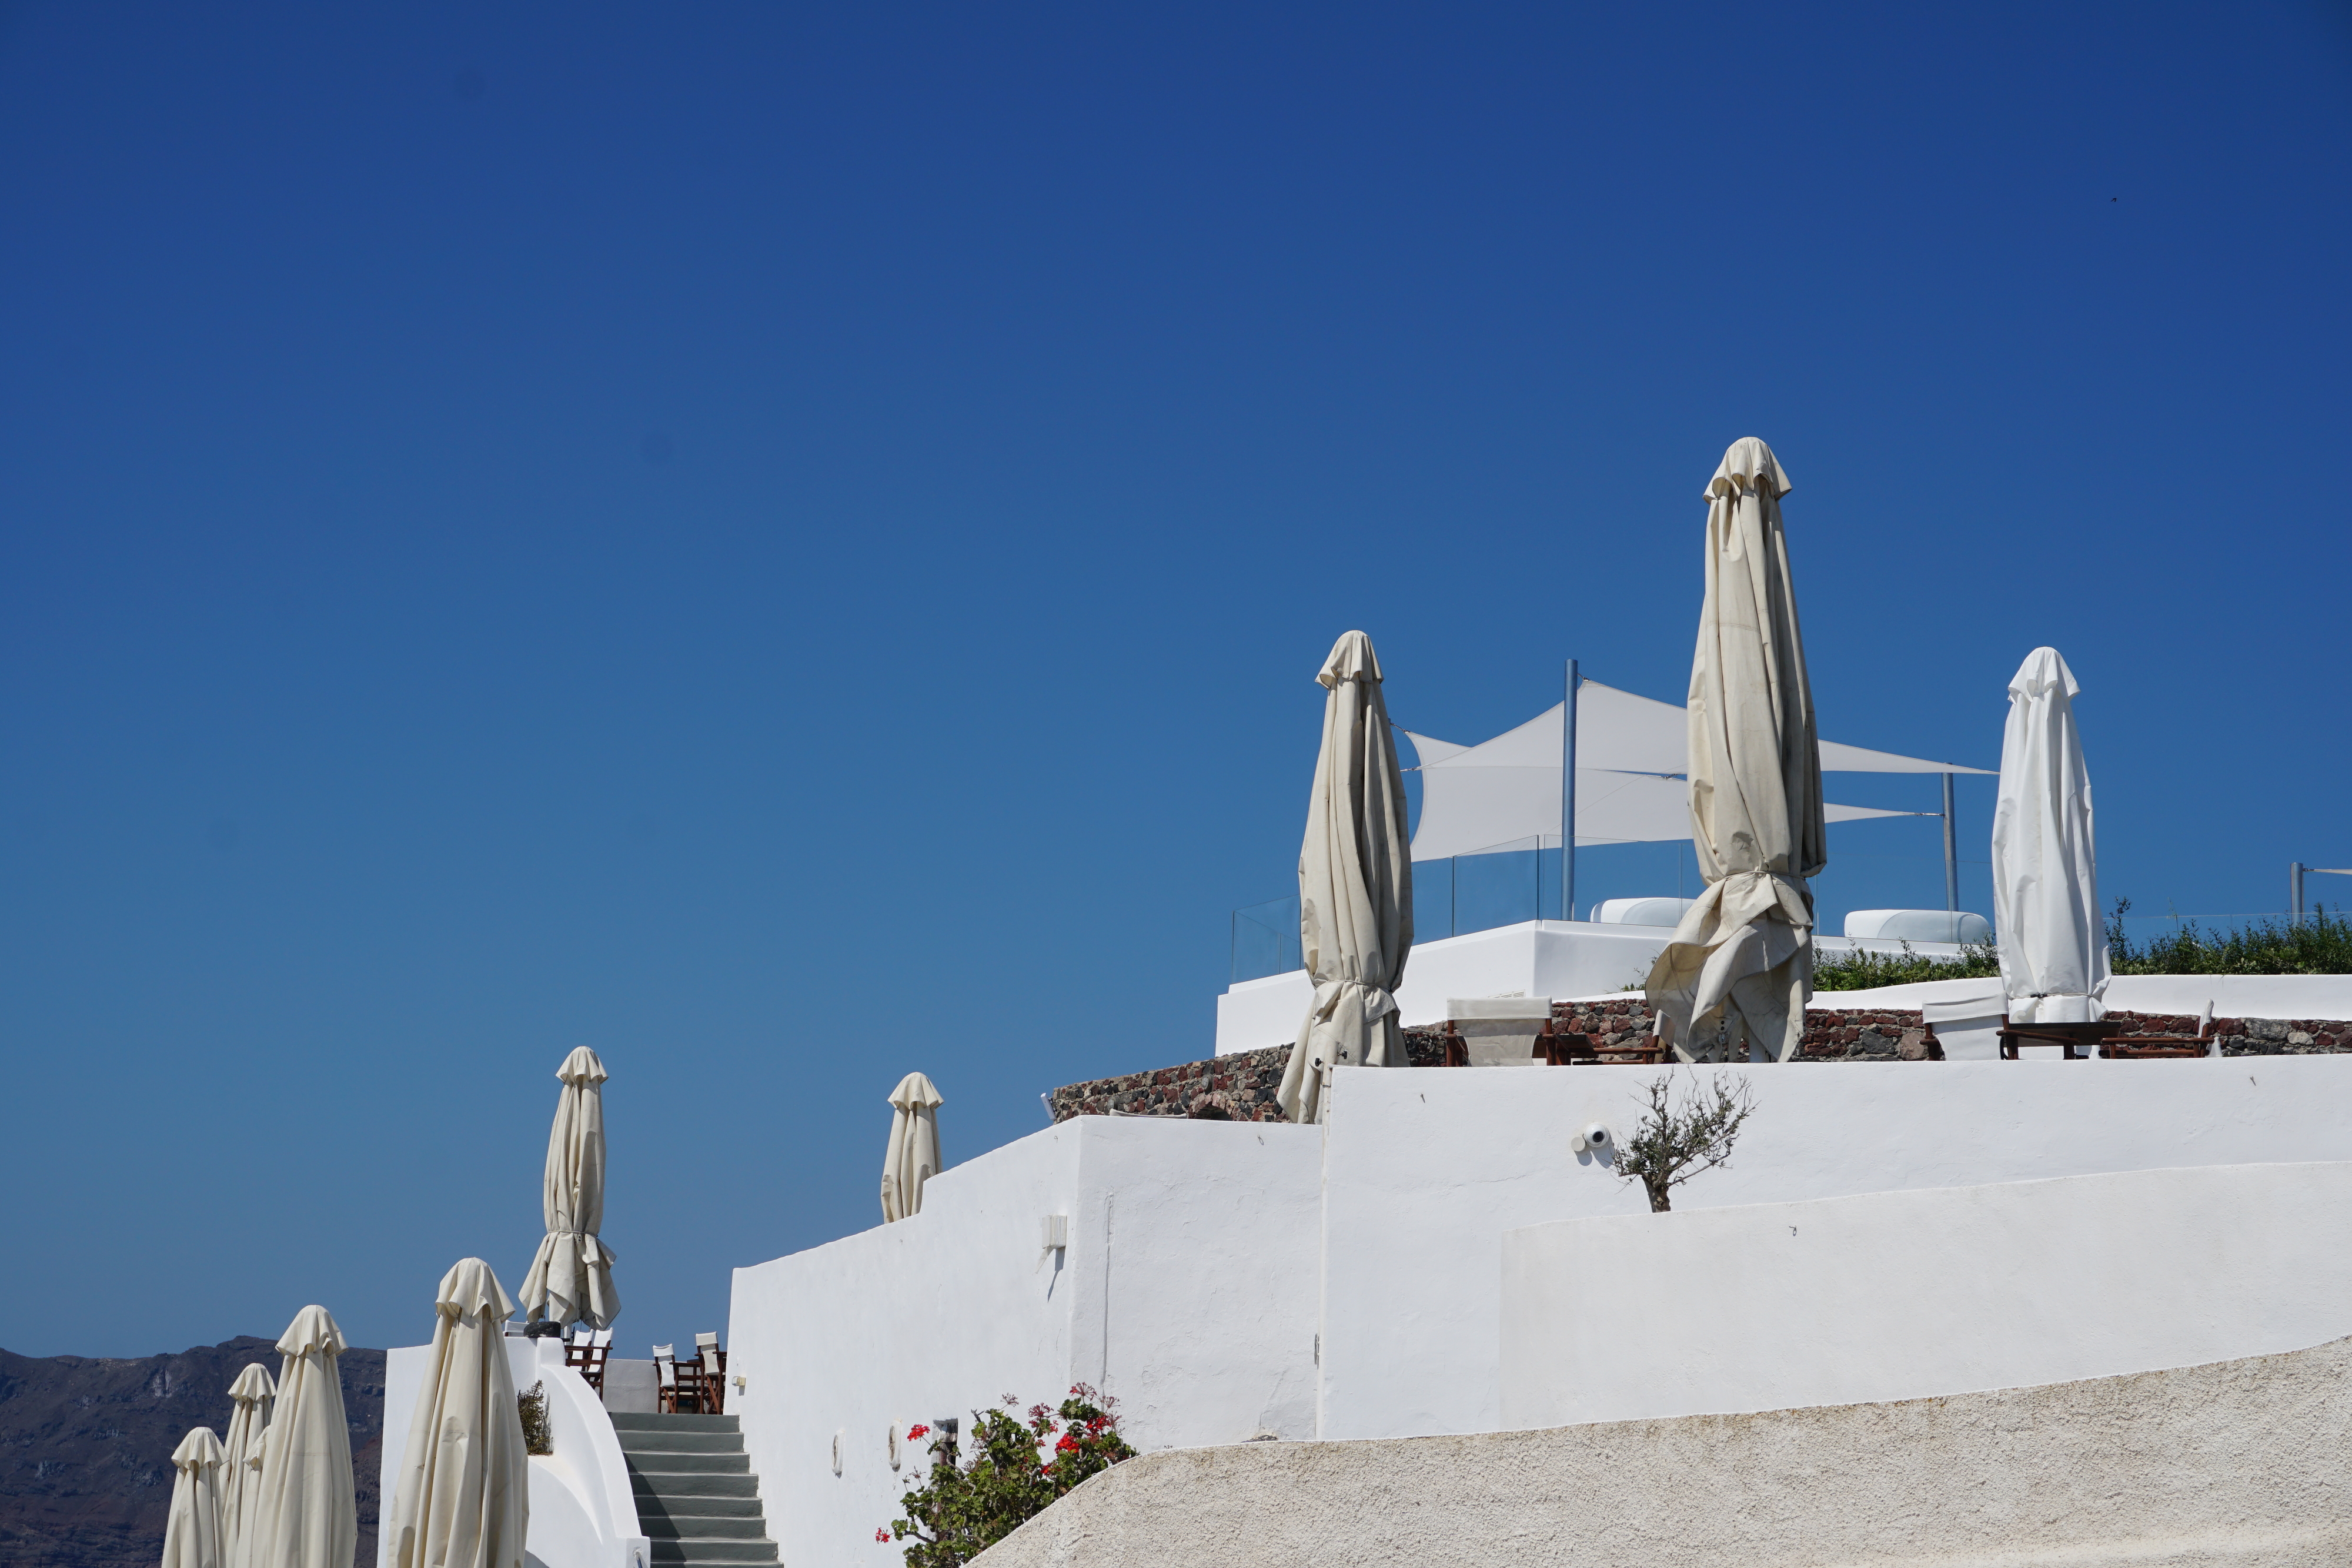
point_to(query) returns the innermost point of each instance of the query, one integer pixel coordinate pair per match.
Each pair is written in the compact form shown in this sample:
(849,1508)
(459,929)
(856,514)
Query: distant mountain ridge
(86,1446)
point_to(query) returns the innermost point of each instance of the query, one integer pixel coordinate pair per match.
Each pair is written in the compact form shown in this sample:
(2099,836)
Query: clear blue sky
(790,546)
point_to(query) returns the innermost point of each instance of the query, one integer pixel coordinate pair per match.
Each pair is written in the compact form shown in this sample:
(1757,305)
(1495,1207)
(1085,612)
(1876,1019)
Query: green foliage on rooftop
(1860,970)
(2320,945)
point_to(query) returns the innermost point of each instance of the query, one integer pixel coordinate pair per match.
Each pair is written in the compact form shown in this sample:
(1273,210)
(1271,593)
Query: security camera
(1595,1139)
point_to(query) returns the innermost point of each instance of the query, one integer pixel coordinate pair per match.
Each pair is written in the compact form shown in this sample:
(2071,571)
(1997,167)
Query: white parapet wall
(1187,1291)
(583,1511)
(1425,1169)
(1896,1295)
(1554,958)
(2236,1463)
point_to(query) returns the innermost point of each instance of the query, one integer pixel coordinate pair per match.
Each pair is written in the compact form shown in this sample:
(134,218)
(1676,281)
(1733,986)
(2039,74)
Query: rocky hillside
(85,1447)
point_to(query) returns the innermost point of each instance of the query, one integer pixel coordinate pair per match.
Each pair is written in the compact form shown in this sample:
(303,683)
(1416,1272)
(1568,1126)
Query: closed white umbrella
(191,1534)
(1743,952)
(913,1157)
(306,1515)
(462,1495)
(240,1484)
(2045,874)
(1355,886)
(571,1280)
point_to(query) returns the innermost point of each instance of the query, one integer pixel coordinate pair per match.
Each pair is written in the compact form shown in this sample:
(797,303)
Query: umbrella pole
(1951,860)
(1568,799)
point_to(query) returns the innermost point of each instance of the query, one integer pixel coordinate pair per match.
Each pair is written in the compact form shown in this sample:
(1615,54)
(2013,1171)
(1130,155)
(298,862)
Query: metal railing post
(1567,799)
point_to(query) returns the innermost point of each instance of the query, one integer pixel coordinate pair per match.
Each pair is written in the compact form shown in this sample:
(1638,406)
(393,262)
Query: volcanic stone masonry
(1242,1087)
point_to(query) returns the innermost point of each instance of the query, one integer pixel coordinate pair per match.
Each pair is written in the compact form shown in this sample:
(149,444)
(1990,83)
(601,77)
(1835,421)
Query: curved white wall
(584,1513)
(1901,1295)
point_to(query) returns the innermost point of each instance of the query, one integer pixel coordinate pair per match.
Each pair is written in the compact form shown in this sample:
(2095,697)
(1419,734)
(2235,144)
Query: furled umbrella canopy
(2045,874)
(461,1498)
(306,1515)
(571,1280)
(913,1157)
(193,1535)
(1355,886)
(1743,952)
(240,1484)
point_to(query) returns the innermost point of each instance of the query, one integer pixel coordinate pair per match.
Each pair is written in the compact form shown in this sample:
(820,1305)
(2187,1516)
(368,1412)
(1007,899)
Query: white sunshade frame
(1631,752)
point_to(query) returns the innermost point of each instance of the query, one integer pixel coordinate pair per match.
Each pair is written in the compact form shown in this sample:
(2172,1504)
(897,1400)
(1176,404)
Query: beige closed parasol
(1743,952)
(1355,886)
(240,1484)
(193,1535)
(570,1280)
(913,1157)
(461,1498)
(306,1515)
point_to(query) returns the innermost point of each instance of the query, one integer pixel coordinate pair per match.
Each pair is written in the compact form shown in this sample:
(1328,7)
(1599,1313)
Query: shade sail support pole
(1568,799)
(1951,856)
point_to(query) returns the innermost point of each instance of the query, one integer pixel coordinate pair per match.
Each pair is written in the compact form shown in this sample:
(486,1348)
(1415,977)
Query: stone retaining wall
(1242,1087)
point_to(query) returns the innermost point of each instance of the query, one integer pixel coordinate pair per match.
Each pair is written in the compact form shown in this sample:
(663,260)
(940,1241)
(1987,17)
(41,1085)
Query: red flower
(914,1432)
(883,1536)
(1068,1445)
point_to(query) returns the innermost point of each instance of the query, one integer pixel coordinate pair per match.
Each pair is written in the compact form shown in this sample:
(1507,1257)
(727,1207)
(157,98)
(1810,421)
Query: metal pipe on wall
(1568,799)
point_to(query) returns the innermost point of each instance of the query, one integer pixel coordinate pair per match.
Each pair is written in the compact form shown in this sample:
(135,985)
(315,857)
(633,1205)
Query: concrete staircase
(697,1500)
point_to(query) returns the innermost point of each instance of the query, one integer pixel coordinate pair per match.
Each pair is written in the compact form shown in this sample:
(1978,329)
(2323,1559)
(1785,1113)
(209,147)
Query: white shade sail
(2046,875)
(461,1498)
(1631,752)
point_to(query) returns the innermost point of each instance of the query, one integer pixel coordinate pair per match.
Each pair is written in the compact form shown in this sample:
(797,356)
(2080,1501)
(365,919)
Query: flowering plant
(1021,1462)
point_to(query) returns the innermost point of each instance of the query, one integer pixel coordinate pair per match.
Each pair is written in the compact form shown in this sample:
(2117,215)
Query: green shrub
(536,1439)
(1859,970)
(964,1508)
(2321,945)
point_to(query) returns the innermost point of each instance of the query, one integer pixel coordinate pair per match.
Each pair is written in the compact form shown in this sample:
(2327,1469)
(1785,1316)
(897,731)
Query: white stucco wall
(2233,996)
(1536,958)
(1187,1291)
(584,1513)
(1899,1295)
(1426,1169)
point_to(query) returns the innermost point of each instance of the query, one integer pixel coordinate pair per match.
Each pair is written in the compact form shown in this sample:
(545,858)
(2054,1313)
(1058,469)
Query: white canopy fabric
(193,1532)
(240,1483)
(1631,756)
(308,1515)
(2046,875)
(913,1157)
(1355,886)
(571,1280)
(1743,949)
(462,1495)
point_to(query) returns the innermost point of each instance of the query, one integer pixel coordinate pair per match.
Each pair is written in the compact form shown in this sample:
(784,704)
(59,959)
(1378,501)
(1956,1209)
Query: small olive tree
(1674,1143)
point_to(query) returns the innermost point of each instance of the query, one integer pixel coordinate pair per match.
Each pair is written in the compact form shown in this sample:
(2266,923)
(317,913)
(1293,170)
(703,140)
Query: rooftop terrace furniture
(2079,1041)
(712,1363)
(1661,912)
(2105,1039)
(1918,926)
(587,1350)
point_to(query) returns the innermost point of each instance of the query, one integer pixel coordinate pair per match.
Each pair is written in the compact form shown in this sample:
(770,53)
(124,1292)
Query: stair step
(657,1527)
(673,1505)
(694,1486)
(666,1464)
(697,1441)
(637,1421)
(703,1549)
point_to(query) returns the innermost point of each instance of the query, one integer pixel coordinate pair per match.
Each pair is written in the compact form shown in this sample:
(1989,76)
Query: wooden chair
(669,1391)
(2130,1046)
(587,1351)
(713,1363)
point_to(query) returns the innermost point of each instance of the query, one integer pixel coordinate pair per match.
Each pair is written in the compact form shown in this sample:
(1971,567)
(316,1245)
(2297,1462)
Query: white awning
(1631,752)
